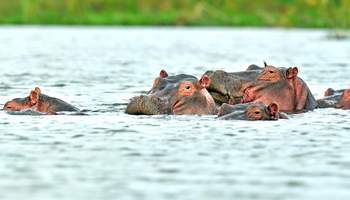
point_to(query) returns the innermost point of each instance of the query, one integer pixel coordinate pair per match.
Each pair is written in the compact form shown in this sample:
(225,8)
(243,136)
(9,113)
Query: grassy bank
(284,13)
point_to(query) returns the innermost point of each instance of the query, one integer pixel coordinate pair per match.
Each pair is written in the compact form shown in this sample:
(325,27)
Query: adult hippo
(251,111)
(38,102)
(280,85)
(335,99)
(179,95)
(227,87)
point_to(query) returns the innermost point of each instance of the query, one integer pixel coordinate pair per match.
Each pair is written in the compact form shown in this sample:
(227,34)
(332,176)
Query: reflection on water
(110,155)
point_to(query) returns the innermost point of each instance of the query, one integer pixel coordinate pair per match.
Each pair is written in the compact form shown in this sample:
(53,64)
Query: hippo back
(58,105)
(311,102)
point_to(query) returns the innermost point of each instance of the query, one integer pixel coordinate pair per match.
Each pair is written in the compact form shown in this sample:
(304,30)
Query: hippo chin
(179,95)
(251,111)
(38,102)
(335,99)
(227,87)
(280,85)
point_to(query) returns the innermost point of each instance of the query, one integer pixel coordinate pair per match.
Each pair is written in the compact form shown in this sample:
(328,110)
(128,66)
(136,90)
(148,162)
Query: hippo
(175,95)
(331,92)
(38,102)
(280,85)
(227,87)
(251,111)
(335,99)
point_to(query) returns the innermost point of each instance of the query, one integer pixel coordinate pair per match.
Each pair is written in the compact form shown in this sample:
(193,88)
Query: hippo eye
(187,87)
(257,112)
(271,72)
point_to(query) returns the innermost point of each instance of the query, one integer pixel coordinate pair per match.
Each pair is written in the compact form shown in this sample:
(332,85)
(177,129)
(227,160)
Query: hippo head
(226,87)
(329,92)
(273,74)
(250,111)
(20,104)
(344,102)
(180,95)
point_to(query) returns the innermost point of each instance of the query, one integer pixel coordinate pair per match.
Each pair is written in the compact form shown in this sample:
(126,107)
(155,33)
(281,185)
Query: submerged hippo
(332,92)
(179,95)
(38,102)
(335,99)
(227,87)
(280,85)
(251,111)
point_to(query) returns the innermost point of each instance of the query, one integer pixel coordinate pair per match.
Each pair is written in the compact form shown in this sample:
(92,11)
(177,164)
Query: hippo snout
(9,106)
(145,105)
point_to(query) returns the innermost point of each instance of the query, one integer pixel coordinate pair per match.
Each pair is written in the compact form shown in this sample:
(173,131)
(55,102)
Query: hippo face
(274,74)
(180,95)
(250,111)
(280,85)
(17,104)
(20,104)
(344,102)
(261,112)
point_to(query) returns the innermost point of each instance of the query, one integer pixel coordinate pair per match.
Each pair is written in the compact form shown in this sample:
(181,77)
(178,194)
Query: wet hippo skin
(39,102)
(251,111)
(335,99)
(226,87)
(282,86)
(179,95)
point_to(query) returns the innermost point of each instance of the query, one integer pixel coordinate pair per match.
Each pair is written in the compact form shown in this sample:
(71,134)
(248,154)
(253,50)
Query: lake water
(111,155)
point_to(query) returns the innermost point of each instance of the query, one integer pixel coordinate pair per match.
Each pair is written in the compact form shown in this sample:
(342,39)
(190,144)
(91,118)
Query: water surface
(111,155)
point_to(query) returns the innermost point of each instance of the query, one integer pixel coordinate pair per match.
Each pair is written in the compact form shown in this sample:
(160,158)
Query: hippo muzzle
(146,105)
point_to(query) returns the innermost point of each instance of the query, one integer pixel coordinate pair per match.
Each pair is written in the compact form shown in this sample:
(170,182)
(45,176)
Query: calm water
(111,155)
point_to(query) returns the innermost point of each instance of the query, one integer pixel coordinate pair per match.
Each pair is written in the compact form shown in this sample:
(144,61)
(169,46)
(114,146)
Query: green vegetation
(285,13)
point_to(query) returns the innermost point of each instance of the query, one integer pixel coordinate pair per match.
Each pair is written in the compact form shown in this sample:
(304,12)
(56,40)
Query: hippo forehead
(238,108)
(172,82)
(259,106)
(282,70)
(21,100)
(180,78)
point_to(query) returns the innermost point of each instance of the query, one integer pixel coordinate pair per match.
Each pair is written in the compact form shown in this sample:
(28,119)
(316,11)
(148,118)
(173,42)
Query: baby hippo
(251,111)
(39,103)
(335,99)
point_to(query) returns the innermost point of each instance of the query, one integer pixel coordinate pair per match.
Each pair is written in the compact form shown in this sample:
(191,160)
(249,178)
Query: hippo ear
(163,74)
(273,109)
(265,64)
(204,81)
(292,72)
(34,96)
(37,89)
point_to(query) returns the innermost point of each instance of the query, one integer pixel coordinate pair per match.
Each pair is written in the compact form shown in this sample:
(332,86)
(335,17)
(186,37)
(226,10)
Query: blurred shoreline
(218,13)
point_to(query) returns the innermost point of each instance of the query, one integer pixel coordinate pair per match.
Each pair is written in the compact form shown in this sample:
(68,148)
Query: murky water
(111,155)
